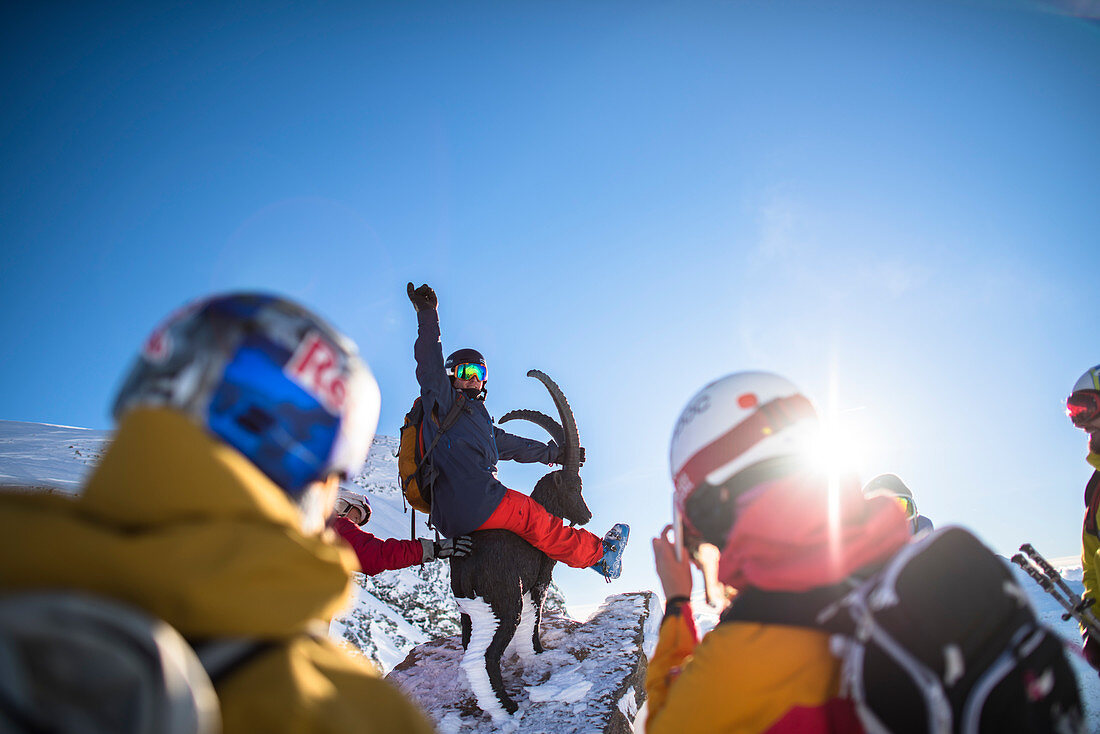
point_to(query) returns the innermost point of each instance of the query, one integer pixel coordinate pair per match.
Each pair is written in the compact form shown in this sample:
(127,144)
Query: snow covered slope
(53,458)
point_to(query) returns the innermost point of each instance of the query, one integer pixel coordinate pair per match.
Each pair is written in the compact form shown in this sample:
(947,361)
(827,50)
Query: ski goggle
(470,371)
(907,506)
(1083,406)
(343,507)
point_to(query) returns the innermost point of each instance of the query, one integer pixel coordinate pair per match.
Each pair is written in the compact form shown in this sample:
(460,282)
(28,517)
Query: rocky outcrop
(591,678)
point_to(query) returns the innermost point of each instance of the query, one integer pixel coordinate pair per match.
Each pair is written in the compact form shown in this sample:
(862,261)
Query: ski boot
(614,543)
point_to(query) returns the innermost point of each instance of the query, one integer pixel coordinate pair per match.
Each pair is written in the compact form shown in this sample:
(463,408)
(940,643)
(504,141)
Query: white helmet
(1088,381)
(731,425)
(347,499)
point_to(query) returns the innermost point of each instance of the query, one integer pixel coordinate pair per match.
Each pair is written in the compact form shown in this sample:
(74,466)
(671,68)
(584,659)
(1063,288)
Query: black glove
(459,547)
(561,456)
(422,297)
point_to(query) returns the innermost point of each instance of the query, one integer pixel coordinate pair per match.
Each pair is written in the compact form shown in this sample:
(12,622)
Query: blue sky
(898,198)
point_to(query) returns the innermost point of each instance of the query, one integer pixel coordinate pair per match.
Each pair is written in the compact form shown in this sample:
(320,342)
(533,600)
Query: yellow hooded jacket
(188,529)
(745,677)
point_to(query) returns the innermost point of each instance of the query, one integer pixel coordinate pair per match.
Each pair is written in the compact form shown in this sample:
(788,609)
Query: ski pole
(1049,570)
(1082,604)
(1048,586)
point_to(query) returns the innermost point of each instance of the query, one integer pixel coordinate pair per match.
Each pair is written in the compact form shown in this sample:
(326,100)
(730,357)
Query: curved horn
(541,420)
(571,460)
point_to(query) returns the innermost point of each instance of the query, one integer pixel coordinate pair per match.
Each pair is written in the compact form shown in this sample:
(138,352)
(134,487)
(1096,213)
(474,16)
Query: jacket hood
(183,526)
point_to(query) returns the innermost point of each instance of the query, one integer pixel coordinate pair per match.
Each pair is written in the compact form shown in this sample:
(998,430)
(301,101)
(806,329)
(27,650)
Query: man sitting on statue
(466,494)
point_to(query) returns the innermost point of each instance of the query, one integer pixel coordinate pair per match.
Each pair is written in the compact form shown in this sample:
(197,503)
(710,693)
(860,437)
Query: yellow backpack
(415,473)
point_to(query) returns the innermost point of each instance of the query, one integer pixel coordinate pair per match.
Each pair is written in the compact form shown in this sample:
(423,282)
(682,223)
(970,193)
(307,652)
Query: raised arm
(435,386)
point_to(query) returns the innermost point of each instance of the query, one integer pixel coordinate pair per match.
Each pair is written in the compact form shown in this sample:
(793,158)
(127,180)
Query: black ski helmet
(890,484)
(467,356)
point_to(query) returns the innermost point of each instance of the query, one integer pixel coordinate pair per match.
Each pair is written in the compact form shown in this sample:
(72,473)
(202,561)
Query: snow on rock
(591,677)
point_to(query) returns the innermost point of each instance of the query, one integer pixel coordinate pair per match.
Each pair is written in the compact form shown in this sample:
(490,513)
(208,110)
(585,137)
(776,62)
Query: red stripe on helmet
(768,419)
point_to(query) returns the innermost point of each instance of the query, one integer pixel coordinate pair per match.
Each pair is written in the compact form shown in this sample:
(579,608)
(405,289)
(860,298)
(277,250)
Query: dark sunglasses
(1083,406)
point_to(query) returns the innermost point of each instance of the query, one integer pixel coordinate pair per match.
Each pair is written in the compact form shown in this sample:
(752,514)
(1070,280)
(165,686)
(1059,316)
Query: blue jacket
(466,490)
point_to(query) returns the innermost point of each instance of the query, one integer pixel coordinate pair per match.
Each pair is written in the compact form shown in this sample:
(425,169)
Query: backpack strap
(223,657)
(449,420)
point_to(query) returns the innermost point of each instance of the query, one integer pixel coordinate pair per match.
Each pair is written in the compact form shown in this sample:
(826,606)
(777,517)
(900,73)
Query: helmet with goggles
(890,485)
(468,364)
(1083,403)
(267,377)
(736,433)
(347,501)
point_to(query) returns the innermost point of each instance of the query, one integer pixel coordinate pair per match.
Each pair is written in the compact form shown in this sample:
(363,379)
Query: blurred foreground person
(891,486)
(1083,409)
(207,512)
(375,555)
(744,492)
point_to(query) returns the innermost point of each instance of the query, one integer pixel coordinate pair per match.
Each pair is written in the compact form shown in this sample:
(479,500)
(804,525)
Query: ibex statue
(501,586)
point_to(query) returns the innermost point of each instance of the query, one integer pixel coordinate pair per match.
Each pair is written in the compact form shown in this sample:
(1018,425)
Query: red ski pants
(529,520)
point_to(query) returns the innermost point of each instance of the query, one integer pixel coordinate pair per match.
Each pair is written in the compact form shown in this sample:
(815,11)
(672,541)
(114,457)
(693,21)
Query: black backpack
(940,639)
(76,662)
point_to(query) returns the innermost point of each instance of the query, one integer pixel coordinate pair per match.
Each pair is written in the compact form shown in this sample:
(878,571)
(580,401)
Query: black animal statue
(500,587)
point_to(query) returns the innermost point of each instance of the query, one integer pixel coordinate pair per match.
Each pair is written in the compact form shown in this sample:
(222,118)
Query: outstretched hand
(459,547)
(675,574)
(422,297)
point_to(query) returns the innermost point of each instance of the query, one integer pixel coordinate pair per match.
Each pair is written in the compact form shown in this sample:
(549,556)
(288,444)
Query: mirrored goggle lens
(470,371)
(907,506)
(1082,406)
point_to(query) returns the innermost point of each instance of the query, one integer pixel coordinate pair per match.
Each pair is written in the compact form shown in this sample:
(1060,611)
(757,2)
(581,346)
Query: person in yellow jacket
(234,426)
(1083,409)
(745,494)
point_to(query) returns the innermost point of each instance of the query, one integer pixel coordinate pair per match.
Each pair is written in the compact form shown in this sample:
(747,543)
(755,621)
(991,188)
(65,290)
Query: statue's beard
(1094,442)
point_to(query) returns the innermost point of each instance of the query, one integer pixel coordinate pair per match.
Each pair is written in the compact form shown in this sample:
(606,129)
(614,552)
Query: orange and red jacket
(745,677)
(795,534)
